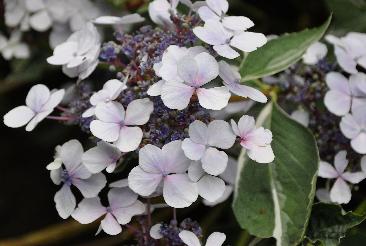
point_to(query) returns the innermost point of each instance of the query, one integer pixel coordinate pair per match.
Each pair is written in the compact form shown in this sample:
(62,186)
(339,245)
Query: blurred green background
(26,202)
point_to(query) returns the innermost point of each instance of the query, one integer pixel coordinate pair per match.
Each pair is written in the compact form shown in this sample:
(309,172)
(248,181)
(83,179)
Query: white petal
(363,164)
(176,95)
(18,116)
(155,89)
(314,53)
(138,112)
(71,154)
(100,157)
(216,239)
(198,132)
(214,162)
(353,178)
(226,51)
(63,53)
(349,126)
(230,173)
(40,21)
(119,183)
(359,143)
(219,6)
(326,170)
(336,81)
(175,160)
(245,125)
(179,191)
(248,41)
(54,100)
(89,112)
(211,188)
(80,172)
(36,119)
(220,134)
(337,102)
(206,13)
(155,232)
(340,161)
(108,132)
(55,176)
(125,214)
(114,87)
(65,202)
(213,33)
(214,98)
(195,171)
(129,139)
(143,183)
(237,23)
(208,68)
(121,197)
(110,225)
(228,191)
(323,195)
(88,210)
(189,238)
(37,96)
(261,154)
(111,112)
(151,159)
(340,192)
(193,150)
(345,60)
(92,186)
(301,116)
(113,20)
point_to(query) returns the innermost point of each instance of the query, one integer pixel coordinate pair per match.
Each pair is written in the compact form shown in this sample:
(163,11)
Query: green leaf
(275,199)
(329,223)
(280,53)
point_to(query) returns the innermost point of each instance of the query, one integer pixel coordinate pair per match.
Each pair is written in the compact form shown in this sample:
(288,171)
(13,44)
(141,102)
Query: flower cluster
(156,110)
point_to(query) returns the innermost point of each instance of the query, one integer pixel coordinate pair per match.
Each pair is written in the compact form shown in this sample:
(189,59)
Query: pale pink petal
(208,69)
(65,201)
(114,87)
(111,112)
(80,172)
(151,159)
(228,191)
(71,154)
(176,95)
(119,183)
(216,239)
(192,150)
(336,81)
(220,134)
(198,132)
(214,162)
(55,176)
(108,132)
(213,33)
(40,21)
(155,89)
(129,139)
(211,188)
(246,124)
(110,225)
(301,116)
(261,154)
(195,171)
(63,53)
(314,53)
(237,23)
(54,100)
(138,112)
(219,6)
(18,116)
(349,126)
(345,60)
(353,178)
(92,186)
(125,214)
(121,197)
(226,51)
(37,96)
(359,143)
(340,161)
(248,41)
(340,192)
(214,98)
(189,238)
(188,70)
(175,160)
(206,13)
(326,170)
(88,210)
(337,102)
(36,119)
(179,191)
(155,232)
(143,183)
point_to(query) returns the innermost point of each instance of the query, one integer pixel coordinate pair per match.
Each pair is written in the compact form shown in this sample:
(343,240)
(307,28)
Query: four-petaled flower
(315,53)
(40,102)
(190,239)
(353,126)
(257,141)
(340,192)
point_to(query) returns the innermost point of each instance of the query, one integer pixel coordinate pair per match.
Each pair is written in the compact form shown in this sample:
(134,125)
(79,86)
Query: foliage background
(26,191)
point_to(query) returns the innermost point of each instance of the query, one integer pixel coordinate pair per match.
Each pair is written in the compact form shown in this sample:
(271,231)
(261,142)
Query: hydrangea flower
(40,102)
(166,168)
(103,156)
(74,173)
(353,126)
(190,239)
(231,79)
(79,54)
(13,47)
(315,53)
(111,90)
(257,141)
(350,50)
(195,71)
(203,142)
(123,205)
(160,11)
(114,124)
(344,94)
(340,192)
(16,14)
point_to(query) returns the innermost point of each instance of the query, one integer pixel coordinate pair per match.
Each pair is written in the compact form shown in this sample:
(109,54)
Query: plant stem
(148,208)
(61,118)
(175,214)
